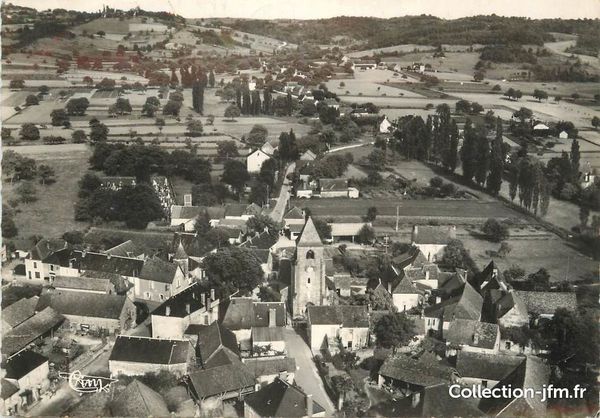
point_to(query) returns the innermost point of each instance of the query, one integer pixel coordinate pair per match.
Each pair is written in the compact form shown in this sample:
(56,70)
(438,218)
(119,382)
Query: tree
(268,294)
(377,159)
(257,136)
(575,158)
(455,255)
(47,174)
(574,338)
(16,84)
(394,330)
(596,122)
(494,179)
(227,149)
(288,148)
(232,112)
(462,106)
(9,228)
(27,192)
(77,106)
(160,122)
(172,108)
(98,133)
(482,155)
(32,100)
(211,78)
(137,205)
(29,132)
(79,136)
(233,268)
(495,230)
(151,106)
(468,152)
(59,117)
(122,106)
(261,223)
(371,214)
(366,235)
(194,128)
(235,174)
(540,94)
(17,167)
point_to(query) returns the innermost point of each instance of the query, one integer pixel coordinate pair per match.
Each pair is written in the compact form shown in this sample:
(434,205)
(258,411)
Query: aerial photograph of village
(229,208)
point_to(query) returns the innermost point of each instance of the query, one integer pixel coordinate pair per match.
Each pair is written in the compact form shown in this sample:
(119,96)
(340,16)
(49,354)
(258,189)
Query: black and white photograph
(340,208)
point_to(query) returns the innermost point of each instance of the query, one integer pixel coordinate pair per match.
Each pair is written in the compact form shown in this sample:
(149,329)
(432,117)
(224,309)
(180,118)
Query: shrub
(436,182)
(495,230)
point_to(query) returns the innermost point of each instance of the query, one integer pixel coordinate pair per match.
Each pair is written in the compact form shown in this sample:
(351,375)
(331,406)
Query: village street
(307,376)
(284,195)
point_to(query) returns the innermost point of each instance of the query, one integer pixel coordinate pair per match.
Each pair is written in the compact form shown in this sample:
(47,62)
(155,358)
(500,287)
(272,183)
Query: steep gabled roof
(91,305)
(107,263)
(309,236)
(213,338)
(405,287)
(280,399)
(190,297)
(229,377)
(126,249)
(546,303)
(22,364)
(473,333)
(30,330)
(406,369)
(83,283)
(138,400)
(348,316)
(19,311)
(294,213)
(158,270)
(433,234)
(150,350)
(486,366)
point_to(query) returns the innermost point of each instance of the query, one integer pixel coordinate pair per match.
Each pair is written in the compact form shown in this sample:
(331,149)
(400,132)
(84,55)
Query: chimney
(83,253)
(212,294)
(494,273)
(415,399)
(187,308)
(203,299)
(426,274)
(108,256)
(475,339)
(309,405)
(168,311)
(272,317)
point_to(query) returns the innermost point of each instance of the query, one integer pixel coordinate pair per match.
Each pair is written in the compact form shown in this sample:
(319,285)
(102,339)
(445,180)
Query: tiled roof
(346,315)
(30,330)
(221,379)
(8,388)
(546,303)
(213,338)
(91,305)
(138,400)
(239,209)
(105,263)
(270,366)
(294,213)
(430,234)
(187,244)
(125,249)
(267,334)
(469,304)
(82,283)
(280,399)
(46,247)
(22,364)
(309,237)
(415,372)
(531,374)
(486,366)
(158,270)
(331,185)
(263,241)
(405,287)
(19,311)
(150,350)
(191,295)
(244,313)
(473,333)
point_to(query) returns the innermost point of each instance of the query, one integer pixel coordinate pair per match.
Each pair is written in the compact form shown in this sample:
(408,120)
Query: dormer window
(310,255)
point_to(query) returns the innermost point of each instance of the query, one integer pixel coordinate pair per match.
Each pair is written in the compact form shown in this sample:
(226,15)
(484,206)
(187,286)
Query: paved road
(284,195)
(306,370)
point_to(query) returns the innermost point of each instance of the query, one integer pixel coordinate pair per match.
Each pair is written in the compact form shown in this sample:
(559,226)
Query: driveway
(307,376)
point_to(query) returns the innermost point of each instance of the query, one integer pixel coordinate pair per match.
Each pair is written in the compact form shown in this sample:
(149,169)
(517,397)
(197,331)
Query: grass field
(53,213)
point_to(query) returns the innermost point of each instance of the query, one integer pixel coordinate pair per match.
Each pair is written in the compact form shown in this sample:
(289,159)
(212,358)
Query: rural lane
(284,195)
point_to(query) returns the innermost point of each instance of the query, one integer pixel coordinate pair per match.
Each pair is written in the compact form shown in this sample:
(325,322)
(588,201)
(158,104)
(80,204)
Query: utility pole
(397,216)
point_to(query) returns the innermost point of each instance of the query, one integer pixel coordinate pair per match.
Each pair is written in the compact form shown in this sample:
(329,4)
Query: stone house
(344,323)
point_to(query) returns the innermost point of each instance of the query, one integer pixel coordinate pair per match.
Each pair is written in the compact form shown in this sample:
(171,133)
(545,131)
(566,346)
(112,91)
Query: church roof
(309,237)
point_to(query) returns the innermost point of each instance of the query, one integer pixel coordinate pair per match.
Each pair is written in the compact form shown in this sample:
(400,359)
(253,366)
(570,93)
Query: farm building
(432,240)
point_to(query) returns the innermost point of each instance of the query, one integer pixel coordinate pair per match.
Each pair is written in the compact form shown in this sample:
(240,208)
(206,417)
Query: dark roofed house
(243,314)
(11,401)
(405,372)
(347,322)
(471,335)
(225,381)
(281,399)
(40,325)
(48,258)
(25,373)
(198,304)
(90,311)
(545,304)
(18,312)
(485,369)
(140,355)
(158,280)
(83,284)
(106,263)
(432,240)
(333,187)
(211,340)
(531,375)
(138,400)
